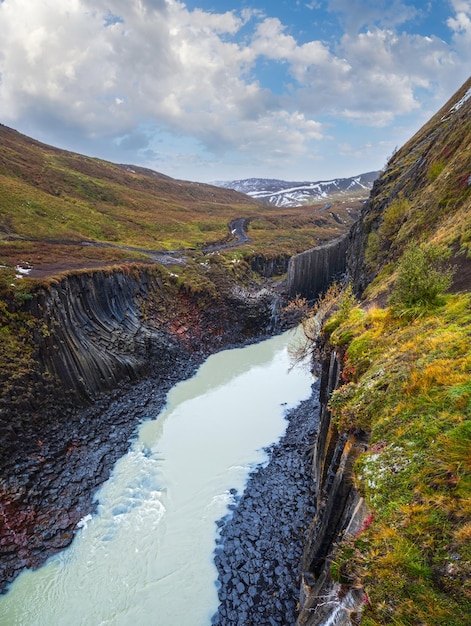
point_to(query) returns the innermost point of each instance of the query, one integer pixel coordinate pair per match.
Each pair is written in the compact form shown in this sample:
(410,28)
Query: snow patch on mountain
(284,193)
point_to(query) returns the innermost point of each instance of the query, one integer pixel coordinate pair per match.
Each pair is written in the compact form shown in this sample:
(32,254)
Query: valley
(135,279)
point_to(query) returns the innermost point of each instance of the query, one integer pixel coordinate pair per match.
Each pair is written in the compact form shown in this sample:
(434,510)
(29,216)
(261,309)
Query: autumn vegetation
(405,352)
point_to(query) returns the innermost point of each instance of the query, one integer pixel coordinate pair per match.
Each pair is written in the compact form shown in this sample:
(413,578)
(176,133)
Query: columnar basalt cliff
(100,334)
(268,267)
(103,328)
(312,271)
(97,336)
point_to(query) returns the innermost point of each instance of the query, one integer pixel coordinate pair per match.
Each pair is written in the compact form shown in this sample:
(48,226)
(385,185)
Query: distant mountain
(284,193)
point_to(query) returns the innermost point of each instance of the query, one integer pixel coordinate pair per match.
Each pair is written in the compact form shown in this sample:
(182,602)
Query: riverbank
(51,476)
(261,540)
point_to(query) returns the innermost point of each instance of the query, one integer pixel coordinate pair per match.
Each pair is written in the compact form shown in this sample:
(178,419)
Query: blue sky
(211,90)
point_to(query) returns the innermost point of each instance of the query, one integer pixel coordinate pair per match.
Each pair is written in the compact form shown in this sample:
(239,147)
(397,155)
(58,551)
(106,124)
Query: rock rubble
(260,541)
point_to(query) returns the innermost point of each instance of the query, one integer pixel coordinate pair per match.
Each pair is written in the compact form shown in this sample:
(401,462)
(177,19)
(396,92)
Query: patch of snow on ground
(460,103)
(22,271)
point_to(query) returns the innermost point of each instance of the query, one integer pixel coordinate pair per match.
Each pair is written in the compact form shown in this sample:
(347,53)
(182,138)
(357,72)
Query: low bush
(422,278)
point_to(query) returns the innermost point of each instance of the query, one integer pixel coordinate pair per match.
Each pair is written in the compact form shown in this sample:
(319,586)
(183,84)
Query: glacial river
(146,557)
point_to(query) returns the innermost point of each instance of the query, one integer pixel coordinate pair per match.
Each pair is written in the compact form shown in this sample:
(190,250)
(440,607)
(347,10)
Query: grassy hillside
(52,200)
(407,381)
(406,356)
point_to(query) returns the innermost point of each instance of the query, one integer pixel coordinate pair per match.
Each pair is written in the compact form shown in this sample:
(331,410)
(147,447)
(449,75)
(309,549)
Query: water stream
(146,557)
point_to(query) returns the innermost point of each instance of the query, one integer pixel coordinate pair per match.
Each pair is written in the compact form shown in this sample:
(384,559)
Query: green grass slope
(53,194)
(423,195)
(406,355)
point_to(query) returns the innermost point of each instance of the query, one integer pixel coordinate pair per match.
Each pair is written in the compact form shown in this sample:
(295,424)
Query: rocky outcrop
(100,329)
(340,512)
(96,334)
(312,271)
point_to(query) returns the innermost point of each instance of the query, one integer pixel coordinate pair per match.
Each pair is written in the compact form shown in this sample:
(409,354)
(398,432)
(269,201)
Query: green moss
(435,170)
(372,247)
(17,329)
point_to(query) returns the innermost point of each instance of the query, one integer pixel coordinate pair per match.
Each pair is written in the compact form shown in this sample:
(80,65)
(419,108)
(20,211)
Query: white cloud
(157,60)
(388,69)
(300,57)
(460,24)
(130,74)
(463,6)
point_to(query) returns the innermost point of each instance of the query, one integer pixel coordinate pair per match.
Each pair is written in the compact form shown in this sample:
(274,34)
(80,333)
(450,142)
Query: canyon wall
(268,267)
(96,334)
(312,271)
(422,196)
(104,328)
(340,512)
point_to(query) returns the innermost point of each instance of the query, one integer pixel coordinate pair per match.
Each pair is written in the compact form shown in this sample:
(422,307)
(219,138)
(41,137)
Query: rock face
(105,328)
(312,271)
(97,336)
(268,267)
(340,511)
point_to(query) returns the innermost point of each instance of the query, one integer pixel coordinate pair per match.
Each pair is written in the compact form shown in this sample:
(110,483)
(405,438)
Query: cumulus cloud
(460,23)
(130,71)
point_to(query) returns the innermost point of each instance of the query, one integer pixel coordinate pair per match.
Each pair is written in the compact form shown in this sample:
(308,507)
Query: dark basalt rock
(260,543)
(312,271)
(340,511)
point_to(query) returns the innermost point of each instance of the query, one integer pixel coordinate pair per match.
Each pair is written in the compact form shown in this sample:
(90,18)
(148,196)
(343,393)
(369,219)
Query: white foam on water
(83,523)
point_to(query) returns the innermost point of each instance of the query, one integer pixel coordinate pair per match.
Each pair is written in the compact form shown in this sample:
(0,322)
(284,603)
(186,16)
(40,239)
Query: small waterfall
(274,322)
(344,609)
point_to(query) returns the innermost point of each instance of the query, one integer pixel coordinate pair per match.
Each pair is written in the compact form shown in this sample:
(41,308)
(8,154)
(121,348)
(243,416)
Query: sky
(210,90)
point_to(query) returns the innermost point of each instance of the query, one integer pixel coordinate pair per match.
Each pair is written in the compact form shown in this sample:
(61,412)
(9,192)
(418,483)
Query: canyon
(104,339)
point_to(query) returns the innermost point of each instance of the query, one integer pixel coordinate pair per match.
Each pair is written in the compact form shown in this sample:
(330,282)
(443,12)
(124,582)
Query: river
(146,556)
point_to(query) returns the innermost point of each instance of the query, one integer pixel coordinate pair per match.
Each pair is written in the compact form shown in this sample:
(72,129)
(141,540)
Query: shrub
(393,217)
(329,311)
(422,278)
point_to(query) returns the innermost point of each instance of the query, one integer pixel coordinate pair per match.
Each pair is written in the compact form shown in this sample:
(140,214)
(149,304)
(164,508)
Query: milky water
(146,557)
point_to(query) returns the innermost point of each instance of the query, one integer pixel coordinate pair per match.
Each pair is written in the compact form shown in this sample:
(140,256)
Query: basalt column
(312,271)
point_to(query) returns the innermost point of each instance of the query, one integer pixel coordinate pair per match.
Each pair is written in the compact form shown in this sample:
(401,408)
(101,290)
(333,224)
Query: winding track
(237,236)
